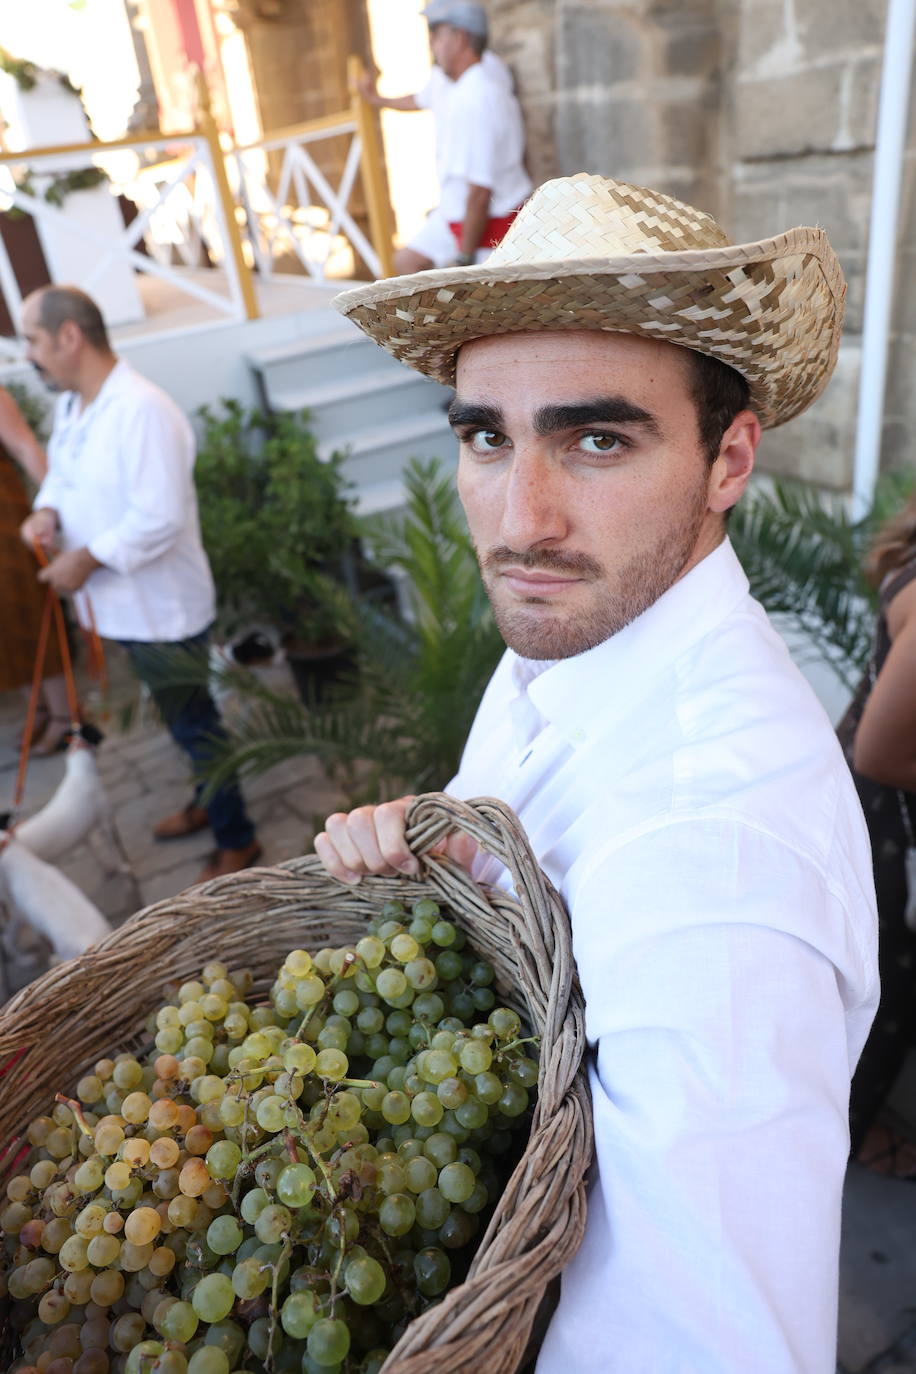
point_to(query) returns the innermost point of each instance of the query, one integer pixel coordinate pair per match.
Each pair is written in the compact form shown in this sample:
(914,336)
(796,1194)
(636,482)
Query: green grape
(437,1065)
(332,1064)
(309,991)
(396,1214)
(180,1322)
(449,965)
(328,1341)
(370,1020)
(395,1108)
(458,1229)
(227,1336)
(371,950)
(223,1158)
(295,1185)
(404,948)
(471,1114)
(224,1235)
(431,1209)
(391,984)
(232,1111)
(208,1359)
(419,1172)
(426,1109)
(142,1356)
(73,1254)
(523,1070)
(432,1270)
(444,933)
(299,1057)
(452,1092)
(213,1298)
(421,929)
(103,1250)
(269,1113)
(513,1100)
(421,974)
(346,1002)
(475,1057)
(456,1181)
(259,1338)
(273,1223)
(483,998)
(299,1313)
(365,1279)
(332,1038)
(250,1278)
(391,1177)
(505,1022)
(488,1088)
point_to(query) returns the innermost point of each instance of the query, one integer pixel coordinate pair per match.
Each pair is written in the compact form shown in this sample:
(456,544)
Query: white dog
(37,892)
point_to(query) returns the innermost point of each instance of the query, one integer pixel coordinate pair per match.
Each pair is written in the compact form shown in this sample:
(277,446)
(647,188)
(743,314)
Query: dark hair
(58,304)
(719,393)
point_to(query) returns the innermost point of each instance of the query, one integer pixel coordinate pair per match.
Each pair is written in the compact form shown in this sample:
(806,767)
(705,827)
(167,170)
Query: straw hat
(589,253)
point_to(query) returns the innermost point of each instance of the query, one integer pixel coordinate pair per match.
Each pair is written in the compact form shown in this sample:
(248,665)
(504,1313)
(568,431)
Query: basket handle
(542,932)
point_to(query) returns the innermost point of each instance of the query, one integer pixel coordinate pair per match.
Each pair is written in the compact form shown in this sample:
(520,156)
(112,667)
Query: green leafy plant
(421,678)
(277,522)
(803,554)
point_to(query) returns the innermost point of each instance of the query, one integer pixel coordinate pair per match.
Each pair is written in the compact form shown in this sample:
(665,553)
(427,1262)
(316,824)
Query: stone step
(376,457)
(362,400)
(327,354)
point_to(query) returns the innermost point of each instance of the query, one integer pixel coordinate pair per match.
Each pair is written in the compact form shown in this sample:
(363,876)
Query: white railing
(180,204)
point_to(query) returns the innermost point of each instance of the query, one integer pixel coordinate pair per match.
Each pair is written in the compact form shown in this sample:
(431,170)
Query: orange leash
(53,607)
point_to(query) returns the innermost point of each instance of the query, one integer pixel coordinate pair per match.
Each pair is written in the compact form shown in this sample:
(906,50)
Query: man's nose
(532,507)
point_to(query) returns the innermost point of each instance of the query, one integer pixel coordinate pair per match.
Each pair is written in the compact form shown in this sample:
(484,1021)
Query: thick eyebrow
(554,419)
(467,414)
(616,410)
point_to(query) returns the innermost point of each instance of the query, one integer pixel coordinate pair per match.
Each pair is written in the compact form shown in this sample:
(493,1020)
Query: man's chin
(46,378)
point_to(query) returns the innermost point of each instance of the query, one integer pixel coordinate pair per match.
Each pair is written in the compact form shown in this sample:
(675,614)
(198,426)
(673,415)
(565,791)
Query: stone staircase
(362,402)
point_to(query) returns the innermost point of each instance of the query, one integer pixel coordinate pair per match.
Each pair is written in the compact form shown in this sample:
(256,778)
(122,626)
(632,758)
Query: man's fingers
(368,840)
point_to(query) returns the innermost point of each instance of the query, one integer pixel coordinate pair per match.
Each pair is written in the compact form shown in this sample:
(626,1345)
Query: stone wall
(760,111)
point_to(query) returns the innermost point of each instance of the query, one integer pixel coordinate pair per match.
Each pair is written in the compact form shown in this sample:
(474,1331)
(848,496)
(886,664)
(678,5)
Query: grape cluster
(277,1187)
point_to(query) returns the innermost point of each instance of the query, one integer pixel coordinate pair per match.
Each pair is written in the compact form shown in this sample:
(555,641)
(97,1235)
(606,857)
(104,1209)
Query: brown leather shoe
(187,821)
(225,861)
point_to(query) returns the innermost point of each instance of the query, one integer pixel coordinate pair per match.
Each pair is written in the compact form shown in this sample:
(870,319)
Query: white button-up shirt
(121,478)
(685,792)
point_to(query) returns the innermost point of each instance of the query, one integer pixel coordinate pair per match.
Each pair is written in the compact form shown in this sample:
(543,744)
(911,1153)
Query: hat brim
(773,310)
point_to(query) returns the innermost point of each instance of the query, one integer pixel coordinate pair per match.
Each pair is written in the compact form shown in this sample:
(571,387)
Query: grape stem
(514,1044)
(77,1111)
(274,1284)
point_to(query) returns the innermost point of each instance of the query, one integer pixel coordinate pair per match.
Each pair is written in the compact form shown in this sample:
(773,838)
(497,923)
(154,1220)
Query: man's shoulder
(137,392)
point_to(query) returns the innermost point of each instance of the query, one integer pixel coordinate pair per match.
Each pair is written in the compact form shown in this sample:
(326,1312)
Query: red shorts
(496,229)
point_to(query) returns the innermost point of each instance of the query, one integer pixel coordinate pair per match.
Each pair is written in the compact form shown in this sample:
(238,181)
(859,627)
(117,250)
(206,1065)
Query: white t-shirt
(484,145)
(121,478)
(686,794)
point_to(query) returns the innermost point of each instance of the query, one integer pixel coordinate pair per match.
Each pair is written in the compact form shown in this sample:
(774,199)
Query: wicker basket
(62,1023)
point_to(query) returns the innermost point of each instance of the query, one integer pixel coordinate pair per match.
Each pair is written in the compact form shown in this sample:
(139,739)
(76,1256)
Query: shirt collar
(112,382)
(572,694)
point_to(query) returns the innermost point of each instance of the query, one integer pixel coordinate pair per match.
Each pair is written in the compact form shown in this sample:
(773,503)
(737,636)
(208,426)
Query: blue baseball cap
(461,14)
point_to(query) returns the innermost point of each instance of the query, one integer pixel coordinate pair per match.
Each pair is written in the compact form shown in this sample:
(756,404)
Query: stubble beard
(634,588)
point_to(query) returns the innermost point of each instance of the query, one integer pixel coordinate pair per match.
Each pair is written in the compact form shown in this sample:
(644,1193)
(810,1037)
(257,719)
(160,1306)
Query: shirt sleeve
(720,1083)
(155,469)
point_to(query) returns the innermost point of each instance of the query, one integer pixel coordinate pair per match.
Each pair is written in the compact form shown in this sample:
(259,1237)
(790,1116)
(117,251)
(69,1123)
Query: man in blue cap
(480,141)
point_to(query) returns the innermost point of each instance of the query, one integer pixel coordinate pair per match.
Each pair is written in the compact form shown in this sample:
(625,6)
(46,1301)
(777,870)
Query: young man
(118,513)
(616,358)
(480,141)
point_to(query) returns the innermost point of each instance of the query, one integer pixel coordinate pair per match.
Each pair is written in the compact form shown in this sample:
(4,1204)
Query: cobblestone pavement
(146,777)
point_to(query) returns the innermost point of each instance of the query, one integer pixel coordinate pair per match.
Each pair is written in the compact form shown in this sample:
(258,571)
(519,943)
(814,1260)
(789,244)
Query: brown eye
(485,440)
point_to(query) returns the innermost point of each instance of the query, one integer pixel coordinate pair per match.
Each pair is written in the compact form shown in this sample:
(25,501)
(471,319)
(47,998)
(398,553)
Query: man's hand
(372,840)
(40,526)
(68,571)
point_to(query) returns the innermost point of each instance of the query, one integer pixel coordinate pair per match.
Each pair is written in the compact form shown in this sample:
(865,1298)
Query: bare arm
(366,88)
(19,440)
(884,748)
(476,214)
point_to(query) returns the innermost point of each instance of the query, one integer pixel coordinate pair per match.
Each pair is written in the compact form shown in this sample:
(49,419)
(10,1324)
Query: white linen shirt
(121,478)
(685,792)
(483,145)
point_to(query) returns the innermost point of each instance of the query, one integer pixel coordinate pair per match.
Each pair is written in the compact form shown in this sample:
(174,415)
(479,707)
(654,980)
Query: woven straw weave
(96,1004)
(589,253)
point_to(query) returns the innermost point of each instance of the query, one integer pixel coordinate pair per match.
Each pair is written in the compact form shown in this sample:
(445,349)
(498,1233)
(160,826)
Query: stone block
(864,90)
(790,114)
(689,44)
(818,445)
(610,137)
(600,48)
(688,134)
(841,26)
(764,40)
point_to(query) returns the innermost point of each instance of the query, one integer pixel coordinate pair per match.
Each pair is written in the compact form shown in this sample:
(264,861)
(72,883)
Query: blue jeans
(194,723)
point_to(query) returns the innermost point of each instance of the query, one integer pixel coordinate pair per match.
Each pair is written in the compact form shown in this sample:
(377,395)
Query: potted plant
(278,526)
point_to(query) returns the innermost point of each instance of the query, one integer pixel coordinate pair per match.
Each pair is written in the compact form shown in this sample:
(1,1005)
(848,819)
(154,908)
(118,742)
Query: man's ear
(69,336)
(732,469)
